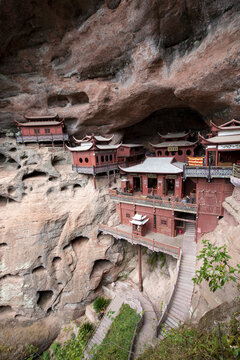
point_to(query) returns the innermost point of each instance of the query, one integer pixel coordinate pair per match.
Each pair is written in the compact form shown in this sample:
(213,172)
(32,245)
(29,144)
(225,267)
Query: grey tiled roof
(173,143)
(156,165)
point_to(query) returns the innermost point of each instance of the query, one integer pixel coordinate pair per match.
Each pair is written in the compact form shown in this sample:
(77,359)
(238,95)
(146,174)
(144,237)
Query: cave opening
(79,98)
(2,158)
(100,266)
(38,270)
(164,121)
(34,174)
(44,299)
(78,242)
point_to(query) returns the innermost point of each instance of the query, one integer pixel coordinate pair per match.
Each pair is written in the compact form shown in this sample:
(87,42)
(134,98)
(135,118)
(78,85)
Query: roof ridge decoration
(92,138)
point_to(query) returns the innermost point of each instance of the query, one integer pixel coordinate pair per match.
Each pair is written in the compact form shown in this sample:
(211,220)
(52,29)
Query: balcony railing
(207,172)
(41,138)
(93,170)
(236,171)
(152,244)
(157,203)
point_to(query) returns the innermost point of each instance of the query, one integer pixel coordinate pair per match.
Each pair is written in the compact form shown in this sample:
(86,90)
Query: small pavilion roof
(229,125)
(39,123)
(89,146)
(132,145)
(41,117)
(91,138)
(177,135)
(179,143)
(139,219)
(156,165)
(228,139)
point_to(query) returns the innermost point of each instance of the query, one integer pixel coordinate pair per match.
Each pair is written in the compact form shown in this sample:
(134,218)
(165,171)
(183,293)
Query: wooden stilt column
(109,184)
(94,182)
(140,268)
(114,176)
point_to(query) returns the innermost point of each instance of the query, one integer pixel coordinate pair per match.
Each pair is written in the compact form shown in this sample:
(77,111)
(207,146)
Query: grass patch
(117,342)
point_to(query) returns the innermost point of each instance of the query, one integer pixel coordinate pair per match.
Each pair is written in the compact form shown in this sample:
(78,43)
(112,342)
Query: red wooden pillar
(140,268)
(216,158)
(207,158)
(94,182)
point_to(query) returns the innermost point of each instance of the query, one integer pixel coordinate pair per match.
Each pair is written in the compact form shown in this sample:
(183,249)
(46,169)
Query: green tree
(215,268)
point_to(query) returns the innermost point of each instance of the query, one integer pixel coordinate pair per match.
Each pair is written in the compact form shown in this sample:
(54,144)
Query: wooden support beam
(140,268)
(186,220)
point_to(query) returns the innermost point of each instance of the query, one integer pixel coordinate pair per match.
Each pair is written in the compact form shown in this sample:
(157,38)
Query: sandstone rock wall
(105,66)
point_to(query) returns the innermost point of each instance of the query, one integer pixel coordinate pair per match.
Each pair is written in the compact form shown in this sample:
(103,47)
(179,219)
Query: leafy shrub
(154,258)
(100,304)
(191,343)
(86,330)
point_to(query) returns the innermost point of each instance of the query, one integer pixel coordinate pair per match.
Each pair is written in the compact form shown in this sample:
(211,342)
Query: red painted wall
(164,218)
(89,159)
(184,157)
(209,197)
(26,131)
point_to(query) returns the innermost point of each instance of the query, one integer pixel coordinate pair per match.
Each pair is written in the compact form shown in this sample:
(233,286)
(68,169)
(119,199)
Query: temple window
(188,152)
(102,158)
(97,159)
(110,157)
(152,183)
(47,131)
(127,215)
(159,153)
(173,153)
(154,221)
(80,160)
(37,131)
(106,157)
(180,152)
(166,152)
(164,222)
(86,159)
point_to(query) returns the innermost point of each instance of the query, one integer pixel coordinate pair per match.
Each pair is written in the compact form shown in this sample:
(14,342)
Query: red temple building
(175,144)
(94,155)
(212,182)
(130,154)
(46,129)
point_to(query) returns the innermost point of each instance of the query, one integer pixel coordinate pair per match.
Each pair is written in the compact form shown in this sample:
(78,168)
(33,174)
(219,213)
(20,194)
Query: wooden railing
(157,203)
(236,171)
(44,138)
(207,172)
(169,304)
(93,170)
(152,244)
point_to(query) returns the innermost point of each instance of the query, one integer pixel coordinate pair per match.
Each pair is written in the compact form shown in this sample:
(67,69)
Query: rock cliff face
(111,64)
(53,262)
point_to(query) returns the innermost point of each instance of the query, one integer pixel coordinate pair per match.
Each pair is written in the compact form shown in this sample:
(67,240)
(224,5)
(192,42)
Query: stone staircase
(181,301)
(103,326)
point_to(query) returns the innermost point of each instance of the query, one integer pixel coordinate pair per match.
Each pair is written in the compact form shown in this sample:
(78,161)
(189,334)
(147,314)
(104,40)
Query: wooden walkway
(181,301)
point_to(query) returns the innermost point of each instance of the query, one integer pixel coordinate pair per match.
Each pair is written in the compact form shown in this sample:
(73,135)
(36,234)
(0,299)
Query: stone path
(181,302)
(123,291)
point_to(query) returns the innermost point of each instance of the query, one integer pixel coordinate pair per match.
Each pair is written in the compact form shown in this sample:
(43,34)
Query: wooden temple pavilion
(212,181)
(47,129)
(130,154)
(156,184)
(94,155)
(175,144)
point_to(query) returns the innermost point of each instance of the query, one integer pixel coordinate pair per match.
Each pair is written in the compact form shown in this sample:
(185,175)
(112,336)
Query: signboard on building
(172,148)
(171,177)
(229,147)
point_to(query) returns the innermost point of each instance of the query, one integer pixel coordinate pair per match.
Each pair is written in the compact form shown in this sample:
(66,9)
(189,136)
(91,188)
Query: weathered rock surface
(108,65)
(53,262)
